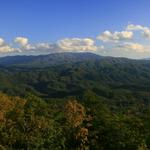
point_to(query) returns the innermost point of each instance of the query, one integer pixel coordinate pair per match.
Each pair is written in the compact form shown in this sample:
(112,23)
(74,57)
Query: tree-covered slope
(67,74)
(88,123)
(74,101)
(119,82)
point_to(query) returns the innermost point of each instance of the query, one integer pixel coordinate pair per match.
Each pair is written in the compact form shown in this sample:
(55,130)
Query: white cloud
(119,44)
(132,47)
(44,46)
(133,27)
(108,36)
(145,30)
(2,42)
(24,44)
(77,44)
(22,41)
(5,48)
(28,47)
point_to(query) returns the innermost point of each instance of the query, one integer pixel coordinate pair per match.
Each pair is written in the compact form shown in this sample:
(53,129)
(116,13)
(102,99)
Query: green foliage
(33,123)
(62,75)
(111,110)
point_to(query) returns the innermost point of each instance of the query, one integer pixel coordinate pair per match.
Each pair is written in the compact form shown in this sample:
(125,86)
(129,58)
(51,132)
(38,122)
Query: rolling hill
(70,74)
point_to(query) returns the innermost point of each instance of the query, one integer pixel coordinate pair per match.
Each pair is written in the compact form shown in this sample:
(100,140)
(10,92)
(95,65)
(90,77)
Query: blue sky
(48,21)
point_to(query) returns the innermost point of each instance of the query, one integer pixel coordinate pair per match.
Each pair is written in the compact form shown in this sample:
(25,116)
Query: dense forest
(74,101)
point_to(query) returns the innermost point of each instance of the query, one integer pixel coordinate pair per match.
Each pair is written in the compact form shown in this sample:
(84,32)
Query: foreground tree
(75,115)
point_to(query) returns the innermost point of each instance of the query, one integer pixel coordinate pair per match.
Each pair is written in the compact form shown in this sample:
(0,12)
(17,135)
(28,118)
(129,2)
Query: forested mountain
(42,61)
(74,101)
(70,74)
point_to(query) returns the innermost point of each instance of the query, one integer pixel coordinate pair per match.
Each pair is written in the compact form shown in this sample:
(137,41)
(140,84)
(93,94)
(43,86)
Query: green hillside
(83,101)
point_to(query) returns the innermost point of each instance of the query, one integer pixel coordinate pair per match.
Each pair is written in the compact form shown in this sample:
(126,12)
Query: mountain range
(70,74)
(48,101)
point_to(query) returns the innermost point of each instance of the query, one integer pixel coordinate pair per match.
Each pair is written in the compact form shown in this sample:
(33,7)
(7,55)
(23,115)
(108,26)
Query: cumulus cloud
(23,44)
(41,47)
(145,30)
(108,36)
(22,41)
(133,27)
(2,42)
(115,44)
(4,47)
(132,47)
(77,44)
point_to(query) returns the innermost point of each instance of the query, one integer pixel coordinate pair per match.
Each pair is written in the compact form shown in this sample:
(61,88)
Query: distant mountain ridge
(47,60)
(42,61)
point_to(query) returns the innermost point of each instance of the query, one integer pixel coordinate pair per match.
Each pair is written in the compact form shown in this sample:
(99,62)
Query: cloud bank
(114,43)
(116,36)
(77,44)
(144,30)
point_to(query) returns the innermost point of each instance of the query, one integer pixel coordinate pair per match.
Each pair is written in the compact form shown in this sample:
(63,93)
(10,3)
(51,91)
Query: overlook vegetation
(74,102)
(33,123)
